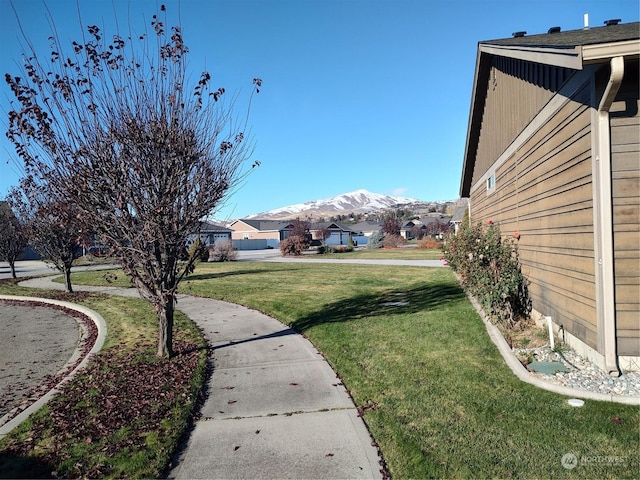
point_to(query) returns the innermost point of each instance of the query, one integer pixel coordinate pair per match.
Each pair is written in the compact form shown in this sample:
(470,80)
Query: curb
(97,346)
(523,374)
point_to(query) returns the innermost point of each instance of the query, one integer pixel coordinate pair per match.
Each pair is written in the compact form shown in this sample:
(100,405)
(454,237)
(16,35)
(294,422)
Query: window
(491,183)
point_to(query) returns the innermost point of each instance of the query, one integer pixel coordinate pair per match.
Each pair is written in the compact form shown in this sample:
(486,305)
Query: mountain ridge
(357,201)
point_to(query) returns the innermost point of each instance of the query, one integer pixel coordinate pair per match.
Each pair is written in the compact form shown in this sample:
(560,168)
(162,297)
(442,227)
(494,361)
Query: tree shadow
(280,333)
(392,302)
(212,276)
(17,466)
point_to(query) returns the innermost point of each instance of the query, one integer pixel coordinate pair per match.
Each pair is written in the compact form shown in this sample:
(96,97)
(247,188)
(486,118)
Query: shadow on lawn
(422,298)
(16,466)
(212,276)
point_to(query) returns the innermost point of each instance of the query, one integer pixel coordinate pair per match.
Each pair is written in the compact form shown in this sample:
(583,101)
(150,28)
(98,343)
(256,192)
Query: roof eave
(601,52)
(568,57)
(475,109)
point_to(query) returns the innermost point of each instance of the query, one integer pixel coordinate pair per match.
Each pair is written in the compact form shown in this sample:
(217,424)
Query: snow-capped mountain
(358,201)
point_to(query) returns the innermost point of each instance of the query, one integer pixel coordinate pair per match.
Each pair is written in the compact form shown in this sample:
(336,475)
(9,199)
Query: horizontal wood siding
(544,192)
(511,103)
(625,160)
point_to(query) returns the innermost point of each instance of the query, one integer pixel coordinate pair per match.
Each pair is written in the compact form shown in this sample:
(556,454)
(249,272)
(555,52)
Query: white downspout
(604,223)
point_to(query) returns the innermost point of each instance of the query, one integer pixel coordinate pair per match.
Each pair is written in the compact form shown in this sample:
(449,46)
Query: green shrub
(375,240)
(489,269)
(199,250)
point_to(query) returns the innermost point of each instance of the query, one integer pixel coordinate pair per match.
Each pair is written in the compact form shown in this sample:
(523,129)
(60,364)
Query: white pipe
(586,21)
(605,218)
(550,325)
(615,80)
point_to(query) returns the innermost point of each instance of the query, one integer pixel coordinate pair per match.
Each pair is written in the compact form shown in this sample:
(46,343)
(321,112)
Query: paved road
(48,335)
(26,268)
(32,268)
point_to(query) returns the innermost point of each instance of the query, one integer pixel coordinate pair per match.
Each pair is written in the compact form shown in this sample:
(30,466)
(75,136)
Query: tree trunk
(165,330)
(13,269)
(67,278)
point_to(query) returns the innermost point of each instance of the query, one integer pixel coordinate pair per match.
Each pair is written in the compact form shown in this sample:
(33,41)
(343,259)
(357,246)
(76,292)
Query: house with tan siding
(553,152)
(251,229)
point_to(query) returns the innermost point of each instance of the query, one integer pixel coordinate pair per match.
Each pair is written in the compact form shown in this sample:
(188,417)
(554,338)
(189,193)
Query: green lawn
(404,253)
(438,397)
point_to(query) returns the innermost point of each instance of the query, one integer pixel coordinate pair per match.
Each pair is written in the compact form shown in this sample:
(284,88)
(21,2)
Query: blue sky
(367,94)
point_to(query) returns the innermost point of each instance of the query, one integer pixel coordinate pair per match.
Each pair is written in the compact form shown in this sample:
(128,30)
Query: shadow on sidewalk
(281,333)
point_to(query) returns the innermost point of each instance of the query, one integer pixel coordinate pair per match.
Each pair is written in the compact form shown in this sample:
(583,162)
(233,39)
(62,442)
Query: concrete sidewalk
(275,408)
(356,261)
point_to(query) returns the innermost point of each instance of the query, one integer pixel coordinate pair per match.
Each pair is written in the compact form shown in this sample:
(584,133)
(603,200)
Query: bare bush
(393,241)
(294,245)
(223,251)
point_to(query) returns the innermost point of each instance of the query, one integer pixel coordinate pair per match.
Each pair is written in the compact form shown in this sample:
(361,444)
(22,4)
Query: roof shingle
(574,38)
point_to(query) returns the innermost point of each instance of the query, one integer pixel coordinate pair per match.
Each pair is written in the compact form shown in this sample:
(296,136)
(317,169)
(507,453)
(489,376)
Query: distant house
(331,233)
(552,153)
(363,230)
(436,225)
(458,217)
(209,233)
(271,232)
(429,225)
(274,231)
(413,229)
(366,229)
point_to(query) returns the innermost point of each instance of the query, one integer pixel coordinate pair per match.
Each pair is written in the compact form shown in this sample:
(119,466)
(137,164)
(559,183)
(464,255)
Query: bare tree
(53,226)
(436,228)
(143,156)
(13,239)
(323,233)
(391,224)
(300,228)
(418,232)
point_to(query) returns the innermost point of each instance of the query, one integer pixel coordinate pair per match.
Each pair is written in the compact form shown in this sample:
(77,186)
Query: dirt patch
(528,336)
